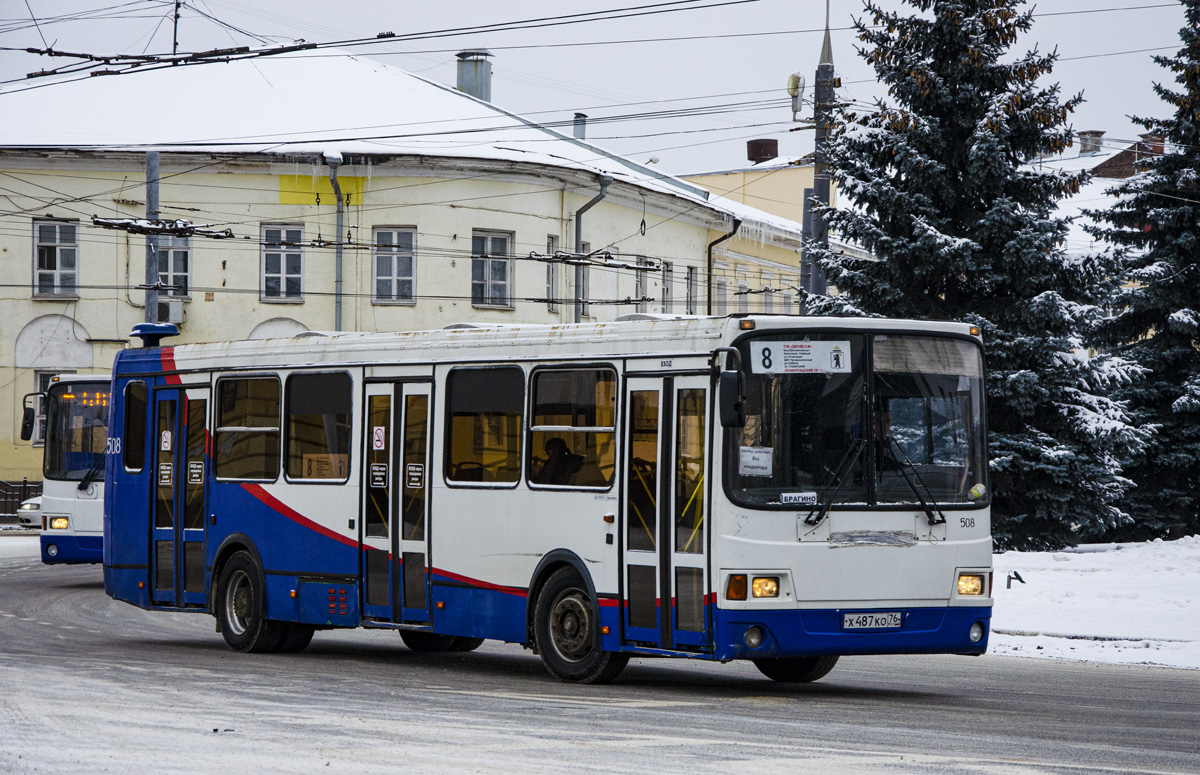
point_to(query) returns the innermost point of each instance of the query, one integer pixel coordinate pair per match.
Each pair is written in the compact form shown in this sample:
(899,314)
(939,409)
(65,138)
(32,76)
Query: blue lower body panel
(72,550)
(802,633)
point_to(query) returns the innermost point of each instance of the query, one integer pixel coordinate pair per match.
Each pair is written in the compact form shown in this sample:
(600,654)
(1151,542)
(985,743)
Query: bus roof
(646,336)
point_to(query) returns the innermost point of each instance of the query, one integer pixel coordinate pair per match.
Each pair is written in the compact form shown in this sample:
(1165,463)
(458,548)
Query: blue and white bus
(786,490)
(75,416)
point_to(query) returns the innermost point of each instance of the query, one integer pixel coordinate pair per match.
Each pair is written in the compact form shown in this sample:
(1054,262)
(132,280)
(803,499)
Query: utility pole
(175,37)
(817,227)
(152,213)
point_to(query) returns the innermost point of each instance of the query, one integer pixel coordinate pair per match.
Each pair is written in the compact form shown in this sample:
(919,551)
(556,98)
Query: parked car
(29,514)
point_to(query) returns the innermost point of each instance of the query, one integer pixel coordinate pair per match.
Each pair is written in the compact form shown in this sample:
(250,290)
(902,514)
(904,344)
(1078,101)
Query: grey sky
(552,83)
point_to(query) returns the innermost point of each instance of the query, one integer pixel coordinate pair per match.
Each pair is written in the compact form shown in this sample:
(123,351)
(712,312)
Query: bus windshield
(880,420)
(76,430)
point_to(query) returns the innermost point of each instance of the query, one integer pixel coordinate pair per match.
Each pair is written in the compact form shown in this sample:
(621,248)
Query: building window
(57,248)
(174,266)
(585,283)
(318,426)
(282,263)
(743,293)
(721,297)
(668,291)
(395,265)
(483,409)
(690,291)
(641,288)
(491,269)
(789,299)
(247,439)
(573,428)
(768,295)
(552,274)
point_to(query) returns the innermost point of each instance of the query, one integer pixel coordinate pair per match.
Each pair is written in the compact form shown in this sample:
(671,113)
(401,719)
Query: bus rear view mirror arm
(731,388)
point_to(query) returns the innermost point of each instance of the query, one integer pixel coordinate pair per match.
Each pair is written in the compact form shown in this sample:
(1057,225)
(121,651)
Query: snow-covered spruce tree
(960,228)
(1156,226)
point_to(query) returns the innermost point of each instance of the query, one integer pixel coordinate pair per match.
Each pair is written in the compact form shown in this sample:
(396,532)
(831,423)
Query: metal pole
(152,213)
(333,160)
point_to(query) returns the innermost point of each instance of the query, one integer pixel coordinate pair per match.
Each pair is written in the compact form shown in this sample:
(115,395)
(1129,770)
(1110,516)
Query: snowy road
(90,685)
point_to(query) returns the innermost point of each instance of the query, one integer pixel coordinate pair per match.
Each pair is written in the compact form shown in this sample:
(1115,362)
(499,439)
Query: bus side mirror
(27,421)
(731,399)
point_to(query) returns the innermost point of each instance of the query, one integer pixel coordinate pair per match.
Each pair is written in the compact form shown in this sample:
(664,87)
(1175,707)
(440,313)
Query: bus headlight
(970,584)
(765,586)
(59,523)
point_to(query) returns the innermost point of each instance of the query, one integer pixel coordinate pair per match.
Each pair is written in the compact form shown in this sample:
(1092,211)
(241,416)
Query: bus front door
(396,502)
(665,532)
(182,460)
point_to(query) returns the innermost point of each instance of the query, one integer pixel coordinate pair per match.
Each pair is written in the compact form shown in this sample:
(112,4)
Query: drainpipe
(737,224)
(605,180)
(333,159)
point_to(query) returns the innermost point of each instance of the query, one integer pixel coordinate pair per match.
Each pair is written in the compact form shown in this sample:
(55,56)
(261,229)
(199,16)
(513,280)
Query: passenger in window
(561,464)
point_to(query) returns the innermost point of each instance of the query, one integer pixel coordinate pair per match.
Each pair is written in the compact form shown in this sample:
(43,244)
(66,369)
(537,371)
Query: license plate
(880,620)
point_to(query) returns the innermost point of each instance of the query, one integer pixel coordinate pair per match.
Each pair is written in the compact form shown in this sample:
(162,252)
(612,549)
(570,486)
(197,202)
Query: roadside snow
(1119,603)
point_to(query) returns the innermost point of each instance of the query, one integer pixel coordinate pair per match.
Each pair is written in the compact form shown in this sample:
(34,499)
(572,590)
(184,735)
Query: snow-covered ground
(1122,603)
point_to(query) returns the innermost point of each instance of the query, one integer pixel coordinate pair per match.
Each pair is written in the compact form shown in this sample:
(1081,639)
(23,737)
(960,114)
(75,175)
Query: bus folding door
(396,502)
(181,445)
(665,530)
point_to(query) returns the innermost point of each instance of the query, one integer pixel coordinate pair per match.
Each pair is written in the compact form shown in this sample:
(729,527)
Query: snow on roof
(1076,162)
(306,103)
(777,163)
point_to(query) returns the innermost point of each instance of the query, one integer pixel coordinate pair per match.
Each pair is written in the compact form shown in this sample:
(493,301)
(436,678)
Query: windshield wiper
(91,474)
(816,515)
(930,505)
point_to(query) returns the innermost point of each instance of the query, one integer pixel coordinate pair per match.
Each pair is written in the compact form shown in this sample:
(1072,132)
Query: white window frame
(489,261)
(668,287)
(640,285)
(742,283)
(59,287)
(276,247)
(394,252)
(768,296)
(552,273)
(690,291)
(585,310)
(721,296)
(169,248)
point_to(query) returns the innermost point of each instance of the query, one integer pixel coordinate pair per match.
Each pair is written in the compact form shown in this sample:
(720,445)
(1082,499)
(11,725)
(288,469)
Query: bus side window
(573,428)
(484,412)
(133,439)
(318,426)
(247,437)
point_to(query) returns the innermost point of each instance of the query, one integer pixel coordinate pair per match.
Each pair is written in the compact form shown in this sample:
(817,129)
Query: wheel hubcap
(571,625)
(238,603)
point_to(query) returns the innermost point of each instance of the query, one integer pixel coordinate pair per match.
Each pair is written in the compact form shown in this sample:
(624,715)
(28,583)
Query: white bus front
(852,511)
(73,470)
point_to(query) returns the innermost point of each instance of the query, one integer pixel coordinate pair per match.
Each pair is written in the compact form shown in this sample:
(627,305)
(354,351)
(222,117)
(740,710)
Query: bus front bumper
(64,549)
(815,632)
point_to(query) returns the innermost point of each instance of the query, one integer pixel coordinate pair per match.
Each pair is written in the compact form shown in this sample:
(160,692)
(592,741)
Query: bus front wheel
(796,670)
(241,608)
(564,627)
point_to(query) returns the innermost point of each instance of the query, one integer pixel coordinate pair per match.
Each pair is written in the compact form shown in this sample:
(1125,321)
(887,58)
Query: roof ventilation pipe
(605,180)
(758,151)
(580,126)
(475,73)
(1090,141)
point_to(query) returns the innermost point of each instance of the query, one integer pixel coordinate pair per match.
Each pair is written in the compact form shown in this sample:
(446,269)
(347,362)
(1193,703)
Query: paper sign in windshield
(824,357)
(755,461)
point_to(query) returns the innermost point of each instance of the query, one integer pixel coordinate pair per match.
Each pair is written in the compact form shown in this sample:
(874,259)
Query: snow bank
(1124,603)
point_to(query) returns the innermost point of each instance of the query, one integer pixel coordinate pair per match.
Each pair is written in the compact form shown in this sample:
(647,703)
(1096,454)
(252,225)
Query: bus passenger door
(665,528)
(396,502)
(376,529)
(182,456)
(411,508)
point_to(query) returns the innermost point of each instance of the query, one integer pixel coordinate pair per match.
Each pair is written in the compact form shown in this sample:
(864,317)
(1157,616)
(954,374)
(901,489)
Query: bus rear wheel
(796,670)
(242,608)
(564,627)
(463,643)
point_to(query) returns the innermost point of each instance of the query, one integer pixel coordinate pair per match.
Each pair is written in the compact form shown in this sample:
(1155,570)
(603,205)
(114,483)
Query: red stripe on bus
(283,509)
(518,591)
(168,364)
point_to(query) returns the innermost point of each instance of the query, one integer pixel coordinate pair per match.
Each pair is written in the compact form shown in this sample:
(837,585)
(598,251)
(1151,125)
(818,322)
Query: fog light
(976,632)
(970,584)
(735,588)
(765,586)
(753,637)
(59,523)
(52,550)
